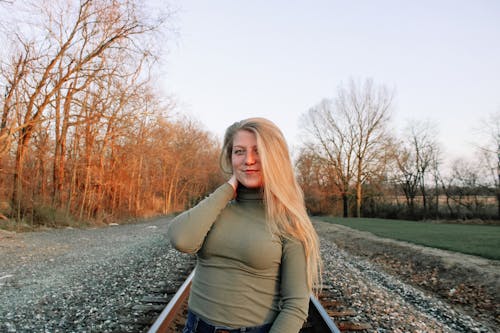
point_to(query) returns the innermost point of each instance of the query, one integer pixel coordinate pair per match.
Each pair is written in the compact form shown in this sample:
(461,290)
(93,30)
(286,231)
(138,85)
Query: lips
(251,171)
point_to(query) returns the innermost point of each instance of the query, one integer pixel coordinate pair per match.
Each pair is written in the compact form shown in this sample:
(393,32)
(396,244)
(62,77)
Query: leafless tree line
(82,132)
(352,164)
(84,135)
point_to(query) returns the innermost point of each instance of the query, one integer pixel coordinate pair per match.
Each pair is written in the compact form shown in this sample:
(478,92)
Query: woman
(258,255)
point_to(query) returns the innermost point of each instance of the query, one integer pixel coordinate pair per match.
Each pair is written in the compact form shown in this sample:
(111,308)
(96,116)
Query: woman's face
(245,159)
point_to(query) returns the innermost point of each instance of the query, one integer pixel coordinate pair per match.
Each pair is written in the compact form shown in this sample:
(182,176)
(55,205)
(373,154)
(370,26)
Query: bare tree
(408,178)
(466,189)
(490,151)
(350,132)
(418,156)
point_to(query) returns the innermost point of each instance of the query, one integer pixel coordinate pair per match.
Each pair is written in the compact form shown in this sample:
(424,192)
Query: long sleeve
(187,231)
(294,290)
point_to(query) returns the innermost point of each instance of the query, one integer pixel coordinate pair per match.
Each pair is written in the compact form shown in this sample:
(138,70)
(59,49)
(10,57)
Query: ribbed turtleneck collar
(245,194)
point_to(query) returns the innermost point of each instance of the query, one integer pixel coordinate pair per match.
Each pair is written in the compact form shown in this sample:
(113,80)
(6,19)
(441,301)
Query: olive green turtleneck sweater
(245,276)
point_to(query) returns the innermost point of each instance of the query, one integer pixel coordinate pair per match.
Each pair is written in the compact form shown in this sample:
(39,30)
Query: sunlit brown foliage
(82,132)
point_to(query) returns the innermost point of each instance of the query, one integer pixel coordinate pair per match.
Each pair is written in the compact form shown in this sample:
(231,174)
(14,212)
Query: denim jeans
(195,324)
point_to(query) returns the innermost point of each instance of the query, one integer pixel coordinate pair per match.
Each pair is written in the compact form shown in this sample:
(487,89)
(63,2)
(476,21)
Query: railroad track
(172,318)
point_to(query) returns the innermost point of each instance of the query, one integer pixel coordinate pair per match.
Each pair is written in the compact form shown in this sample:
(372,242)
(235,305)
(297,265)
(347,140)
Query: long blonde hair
(285,208)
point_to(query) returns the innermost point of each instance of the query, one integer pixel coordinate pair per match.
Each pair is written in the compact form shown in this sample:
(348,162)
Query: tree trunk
(424,198)
(345,201)
(17,192)
(498,203)
(358,199)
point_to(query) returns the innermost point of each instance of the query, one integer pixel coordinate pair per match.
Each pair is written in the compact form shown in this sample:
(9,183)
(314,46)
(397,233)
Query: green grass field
(479,240)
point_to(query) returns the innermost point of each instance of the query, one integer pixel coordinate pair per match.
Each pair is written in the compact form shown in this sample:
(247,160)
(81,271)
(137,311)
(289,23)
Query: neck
(245,194)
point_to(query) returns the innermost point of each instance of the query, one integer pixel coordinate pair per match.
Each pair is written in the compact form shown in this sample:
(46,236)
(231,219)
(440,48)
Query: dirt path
(471,284)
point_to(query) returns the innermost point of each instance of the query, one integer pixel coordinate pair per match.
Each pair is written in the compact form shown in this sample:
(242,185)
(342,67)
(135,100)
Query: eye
(238,152)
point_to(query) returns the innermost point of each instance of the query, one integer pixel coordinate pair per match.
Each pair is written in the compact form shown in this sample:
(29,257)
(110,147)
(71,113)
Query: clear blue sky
(235,59)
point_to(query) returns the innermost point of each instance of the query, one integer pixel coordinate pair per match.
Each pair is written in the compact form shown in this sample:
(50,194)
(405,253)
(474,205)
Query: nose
(250,158)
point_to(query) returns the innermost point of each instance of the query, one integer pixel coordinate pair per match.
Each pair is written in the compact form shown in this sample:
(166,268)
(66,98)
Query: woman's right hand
(233,182)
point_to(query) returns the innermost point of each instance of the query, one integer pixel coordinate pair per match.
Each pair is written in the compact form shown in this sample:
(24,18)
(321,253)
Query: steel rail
(322,321)
(168,314)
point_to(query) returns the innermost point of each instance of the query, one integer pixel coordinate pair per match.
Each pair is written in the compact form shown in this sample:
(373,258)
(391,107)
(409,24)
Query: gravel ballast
(96,280)
(86,280)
